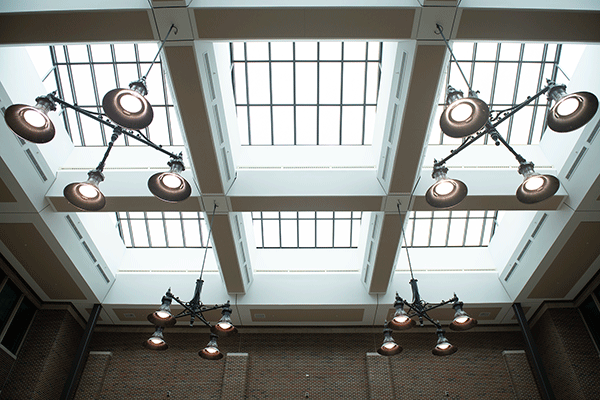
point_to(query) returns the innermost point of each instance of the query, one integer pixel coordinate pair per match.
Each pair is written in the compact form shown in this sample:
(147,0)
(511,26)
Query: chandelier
(126,112)
(419,308)
(195,309)
(470,118)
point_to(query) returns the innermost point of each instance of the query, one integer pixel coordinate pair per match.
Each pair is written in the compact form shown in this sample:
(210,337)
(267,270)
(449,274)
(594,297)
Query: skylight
(450,228)
(85,73)
(505,74)
(306,229)
(306,93)
(162,229)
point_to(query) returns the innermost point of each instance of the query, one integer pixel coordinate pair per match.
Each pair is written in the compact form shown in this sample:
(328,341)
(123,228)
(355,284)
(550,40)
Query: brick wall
(568,354)
(45,359)
(322,366)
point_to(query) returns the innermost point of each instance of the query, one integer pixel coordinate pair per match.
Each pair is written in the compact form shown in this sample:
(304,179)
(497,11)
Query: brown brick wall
(379,377)
(45,358)
(92,377)
(521,375)
(234,380)
(6,363)
(288,366)
(568,354)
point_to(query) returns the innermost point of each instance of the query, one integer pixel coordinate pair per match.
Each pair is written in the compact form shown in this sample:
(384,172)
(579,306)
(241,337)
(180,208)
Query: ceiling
(539,252)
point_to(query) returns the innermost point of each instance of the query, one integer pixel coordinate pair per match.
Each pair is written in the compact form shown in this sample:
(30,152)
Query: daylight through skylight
(450,228)
(306,93)
(162,229)
(85,73)
(505,74)
(306,229)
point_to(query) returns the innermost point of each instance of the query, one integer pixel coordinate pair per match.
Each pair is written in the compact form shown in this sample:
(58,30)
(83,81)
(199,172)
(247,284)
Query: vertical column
(379,377)
(520,374)
(234,378)
(93,375)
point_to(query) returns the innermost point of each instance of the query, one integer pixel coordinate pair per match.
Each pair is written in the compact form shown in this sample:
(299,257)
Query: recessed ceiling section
(5,194)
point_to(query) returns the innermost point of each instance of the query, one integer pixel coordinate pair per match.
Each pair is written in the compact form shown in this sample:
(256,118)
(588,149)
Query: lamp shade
(445,192)
(86,195)
(32,123)
(535,187)
(128,107)
(170,186)
(572,111)
(463,116)
(443,346)
(156,341)
(389,347)
(211,351)
(400,321)
(162,316)
(224,327)
(462,321)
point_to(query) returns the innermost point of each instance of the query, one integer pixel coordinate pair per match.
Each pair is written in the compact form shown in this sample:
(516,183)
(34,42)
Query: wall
(568,353)
(45,358)
(324,366)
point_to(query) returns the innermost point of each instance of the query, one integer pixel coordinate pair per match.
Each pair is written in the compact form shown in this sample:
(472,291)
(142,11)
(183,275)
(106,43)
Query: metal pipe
(80,356)
(534,354)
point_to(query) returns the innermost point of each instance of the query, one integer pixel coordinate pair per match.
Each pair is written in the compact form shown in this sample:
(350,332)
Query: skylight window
(85,73)
(306,93)
(306,229)
(450,228)
(504,74)
(162,229)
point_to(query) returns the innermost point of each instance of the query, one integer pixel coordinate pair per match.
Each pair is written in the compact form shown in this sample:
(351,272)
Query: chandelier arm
(460,148)
(439,304)
(428,318)
(109,147)
(440,32)
(511,111)
(160,49)
(498,137)
(93,116)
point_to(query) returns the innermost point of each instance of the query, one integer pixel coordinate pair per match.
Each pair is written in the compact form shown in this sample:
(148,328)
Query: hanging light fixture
(32,123)
(445,193)
(163,318)
(420,308)
(128,109)
(535,187)
(570,111)
(463,116)
(471,119)
(156,341)
(170,186)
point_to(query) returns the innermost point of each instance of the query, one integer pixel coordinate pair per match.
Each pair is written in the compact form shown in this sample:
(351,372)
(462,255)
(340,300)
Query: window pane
(18,327)
(591,315)
(9,296)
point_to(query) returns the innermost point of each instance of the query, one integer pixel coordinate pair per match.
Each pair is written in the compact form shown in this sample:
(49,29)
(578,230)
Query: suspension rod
(114,137)
(160,49)
(440,31)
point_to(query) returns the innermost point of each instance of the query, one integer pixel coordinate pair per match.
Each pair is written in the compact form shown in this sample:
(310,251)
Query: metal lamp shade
(156,341)
(111,103)
(74,193)
(389,347)
(397,325)
(456,195)
(444,352)
(15,119)
(206,352)
(224,327)
(158,188)
(155,319)
(470,323)
(458,129)
(546,190)
(587,105)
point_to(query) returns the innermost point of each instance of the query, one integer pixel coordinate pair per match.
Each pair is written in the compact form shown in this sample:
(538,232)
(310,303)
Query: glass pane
(591,315)
(289,233)
(18,327)
(9,296)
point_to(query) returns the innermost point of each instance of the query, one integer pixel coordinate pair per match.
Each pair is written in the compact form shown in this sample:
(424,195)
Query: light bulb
(389,345)
(401,319)
(88,191)
(156,340)
(461,112)
(34,118)
(461,320)
(567,106)
(444,187)
(172,181)
(534,183)
(162,314)
(224,325)
(443,346)
(131,103)
(211,350)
